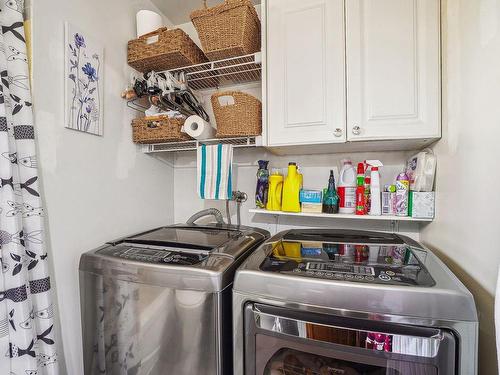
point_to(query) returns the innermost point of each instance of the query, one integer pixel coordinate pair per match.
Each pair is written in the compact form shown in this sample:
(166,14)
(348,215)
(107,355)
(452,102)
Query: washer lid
(186,237)
(180,256)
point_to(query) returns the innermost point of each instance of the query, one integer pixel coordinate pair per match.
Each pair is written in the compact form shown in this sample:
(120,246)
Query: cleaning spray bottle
(367,189)
(291,189)
(360,190)
(376,204)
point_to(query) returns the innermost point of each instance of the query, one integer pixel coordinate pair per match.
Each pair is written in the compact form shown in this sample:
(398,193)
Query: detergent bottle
(262,184)
(275,191)
(291,189)
(347,188)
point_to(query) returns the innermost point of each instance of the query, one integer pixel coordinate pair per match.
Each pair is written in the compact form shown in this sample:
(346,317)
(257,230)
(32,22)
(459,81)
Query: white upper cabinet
(305,72)
(393,69)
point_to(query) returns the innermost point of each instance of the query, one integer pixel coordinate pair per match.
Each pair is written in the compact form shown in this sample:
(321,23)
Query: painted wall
(465,231)
(95,188)
(315,169)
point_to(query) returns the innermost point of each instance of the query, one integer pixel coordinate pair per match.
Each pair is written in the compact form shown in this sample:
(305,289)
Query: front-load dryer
(320,301)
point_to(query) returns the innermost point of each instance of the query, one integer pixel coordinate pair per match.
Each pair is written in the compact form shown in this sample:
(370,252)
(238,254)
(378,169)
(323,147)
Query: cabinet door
(393,69)
(305,72)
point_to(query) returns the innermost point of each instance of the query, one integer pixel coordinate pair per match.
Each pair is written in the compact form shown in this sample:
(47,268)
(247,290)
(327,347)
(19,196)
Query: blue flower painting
(84,82)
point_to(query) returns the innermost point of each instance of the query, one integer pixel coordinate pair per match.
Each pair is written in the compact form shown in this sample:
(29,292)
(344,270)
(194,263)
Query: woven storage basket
(164,49)
(158,129)
(237,114)
(228,30)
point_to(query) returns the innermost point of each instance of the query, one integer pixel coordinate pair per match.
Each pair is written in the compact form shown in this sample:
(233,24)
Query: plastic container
(347,188)
(311,196)
(291,189)
(375,192)
(367,190)
(421,170)
(262,184)
(360,190)
(275,191)
(402,190)
(330,197)
(312,208)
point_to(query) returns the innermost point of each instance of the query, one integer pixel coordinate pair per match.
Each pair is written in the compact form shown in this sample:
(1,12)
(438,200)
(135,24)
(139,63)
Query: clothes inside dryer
(294,362)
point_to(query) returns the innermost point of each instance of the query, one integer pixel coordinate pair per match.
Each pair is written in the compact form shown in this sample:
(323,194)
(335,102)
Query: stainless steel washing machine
(159,302)
(320,301)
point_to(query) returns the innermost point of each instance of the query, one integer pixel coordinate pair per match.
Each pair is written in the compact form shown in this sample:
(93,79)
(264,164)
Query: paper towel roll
(148,21)
(198,128)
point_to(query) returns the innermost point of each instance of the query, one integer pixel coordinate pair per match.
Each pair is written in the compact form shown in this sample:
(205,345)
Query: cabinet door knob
(356,130)
(338,132)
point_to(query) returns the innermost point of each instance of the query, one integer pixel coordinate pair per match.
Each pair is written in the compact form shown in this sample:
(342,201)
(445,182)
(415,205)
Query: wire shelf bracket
(227,72)
(237,142)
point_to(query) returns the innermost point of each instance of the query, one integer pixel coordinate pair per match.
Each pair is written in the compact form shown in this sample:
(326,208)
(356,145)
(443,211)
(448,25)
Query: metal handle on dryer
(346,336)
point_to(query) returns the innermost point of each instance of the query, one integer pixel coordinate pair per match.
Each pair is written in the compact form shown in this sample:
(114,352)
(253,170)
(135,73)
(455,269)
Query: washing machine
(321,301)
(159,302)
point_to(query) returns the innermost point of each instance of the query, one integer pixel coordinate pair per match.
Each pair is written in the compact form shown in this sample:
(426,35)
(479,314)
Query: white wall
(466,228)
(316,169)
(95,188)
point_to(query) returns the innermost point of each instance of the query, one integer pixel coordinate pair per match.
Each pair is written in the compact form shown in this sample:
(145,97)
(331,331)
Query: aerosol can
(402,190)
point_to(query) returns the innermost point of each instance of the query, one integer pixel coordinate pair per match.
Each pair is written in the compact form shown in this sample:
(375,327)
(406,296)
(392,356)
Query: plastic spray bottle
(360,190)
(367,183)
(376,203)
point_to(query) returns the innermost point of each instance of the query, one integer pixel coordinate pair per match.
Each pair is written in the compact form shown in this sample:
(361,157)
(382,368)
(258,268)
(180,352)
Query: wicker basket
(158,129)
(227,30)
(237,114)
(164,49)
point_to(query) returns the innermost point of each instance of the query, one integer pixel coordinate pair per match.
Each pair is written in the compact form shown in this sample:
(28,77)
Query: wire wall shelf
(237,142)
(227,72)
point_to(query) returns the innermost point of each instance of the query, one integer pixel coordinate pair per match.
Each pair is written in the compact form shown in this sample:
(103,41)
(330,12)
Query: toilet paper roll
(148,21)
(198,128)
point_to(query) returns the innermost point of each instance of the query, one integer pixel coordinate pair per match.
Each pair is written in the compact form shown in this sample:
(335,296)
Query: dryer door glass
(285,341)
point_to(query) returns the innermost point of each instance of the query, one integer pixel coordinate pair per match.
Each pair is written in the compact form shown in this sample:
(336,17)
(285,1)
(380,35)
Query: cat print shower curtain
(27,343)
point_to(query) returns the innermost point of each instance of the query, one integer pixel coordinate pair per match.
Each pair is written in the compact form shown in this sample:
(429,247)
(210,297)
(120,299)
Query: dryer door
(284,341)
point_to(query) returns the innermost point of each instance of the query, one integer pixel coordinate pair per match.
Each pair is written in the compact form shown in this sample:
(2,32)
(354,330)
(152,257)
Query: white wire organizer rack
(237,142)
(227,72)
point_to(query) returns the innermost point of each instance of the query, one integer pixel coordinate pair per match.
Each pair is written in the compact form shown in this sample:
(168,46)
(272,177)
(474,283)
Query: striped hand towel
(214,166)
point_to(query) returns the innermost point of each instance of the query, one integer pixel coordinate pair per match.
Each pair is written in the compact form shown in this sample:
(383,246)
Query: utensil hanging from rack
(171,91)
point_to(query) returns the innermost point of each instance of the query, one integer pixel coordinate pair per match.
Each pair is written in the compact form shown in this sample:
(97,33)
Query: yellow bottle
(275,191)
(291,189)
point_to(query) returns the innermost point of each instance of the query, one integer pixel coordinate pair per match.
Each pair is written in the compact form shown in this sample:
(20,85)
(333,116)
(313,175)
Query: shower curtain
(27,345)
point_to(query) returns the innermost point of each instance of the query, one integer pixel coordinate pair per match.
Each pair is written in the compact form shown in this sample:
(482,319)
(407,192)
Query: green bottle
(330,197)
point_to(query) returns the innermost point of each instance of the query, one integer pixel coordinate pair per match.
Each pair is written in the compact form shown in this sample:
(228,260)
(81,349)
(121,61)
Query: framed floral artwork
(83,82)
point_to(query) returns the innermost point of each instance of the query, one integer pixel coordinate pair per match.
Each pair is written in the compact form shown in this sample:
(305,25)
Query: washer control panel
(149,255)
(366,273)
(339,267)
